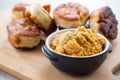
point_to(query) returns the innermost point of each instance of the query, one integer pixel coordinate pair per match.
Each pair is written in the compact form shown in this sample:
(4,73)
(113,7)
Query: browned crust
(107,22)
(34,19)
(75,10)
(47,7)
(52,28)
(23,27)
(21,7)
(38,22)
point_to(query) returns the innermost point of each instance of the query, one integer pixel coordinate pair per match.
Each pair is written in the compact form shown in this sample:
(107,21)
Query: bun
(70,15)
(39,16)
(103,20)
(23,33)
(18,10)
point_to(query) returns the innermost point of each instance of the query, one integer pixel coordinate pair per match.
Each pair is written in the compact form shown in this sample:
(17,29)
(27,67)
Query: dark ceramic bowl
(75,64)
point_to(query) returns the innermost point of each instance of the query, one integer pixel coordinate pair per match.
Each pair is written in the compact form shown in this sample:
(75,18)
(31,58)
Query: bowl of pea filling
(76,50)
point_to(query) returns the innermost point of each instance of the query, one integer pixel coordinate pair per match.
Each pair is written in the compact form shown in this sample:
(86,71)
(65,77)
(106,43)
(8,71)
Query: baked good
(103,20)
(69,15)
(23,33)
(19,9)
(52,28)
(39,16)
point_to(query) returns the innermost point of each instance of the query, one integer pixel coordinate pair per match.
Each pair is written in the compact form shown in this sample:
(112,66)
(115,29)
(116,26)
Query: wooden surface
(33,65)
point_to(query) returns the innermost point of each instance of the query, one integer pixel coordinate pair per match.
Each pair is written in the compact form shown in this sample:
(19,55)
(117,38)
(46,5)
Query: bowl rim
(51,36)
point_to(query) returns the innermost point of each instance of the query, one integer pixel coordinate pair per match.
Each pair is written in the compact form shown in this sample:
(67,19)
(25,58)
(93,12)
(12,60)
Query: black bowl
(75,64)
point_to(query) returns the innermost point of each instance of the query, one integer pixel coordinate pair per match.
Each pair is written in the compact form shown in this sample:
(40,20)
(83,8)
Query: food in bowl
(81,42)
(76,65)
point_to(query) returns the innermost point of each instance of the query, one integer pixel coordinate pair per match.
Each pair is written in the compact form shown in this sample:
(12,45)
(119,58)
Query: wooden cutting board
(33,65)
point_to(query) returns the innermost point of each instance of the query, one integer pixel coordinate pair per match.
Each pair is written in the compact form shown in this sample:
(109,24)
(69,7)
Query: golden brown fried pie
(103,20)
(70,15)
(18,10)
(22,33)
(39,16)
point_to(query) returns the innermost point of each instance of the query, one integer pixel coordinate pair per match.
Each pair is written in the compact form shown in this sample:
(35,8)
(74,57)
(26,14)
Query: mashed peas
(81,42)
